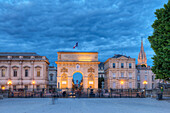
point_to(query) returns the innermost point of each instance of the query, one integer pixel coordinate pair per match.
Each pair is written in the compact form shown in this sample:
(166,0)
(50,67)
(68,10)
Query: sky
(106,26)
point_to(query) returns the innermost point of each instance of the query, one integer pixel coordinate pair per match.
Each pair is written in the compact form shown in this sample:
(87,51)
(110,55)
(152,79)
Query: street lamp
(145,83)
(9,83)
(122,82)
(33,83)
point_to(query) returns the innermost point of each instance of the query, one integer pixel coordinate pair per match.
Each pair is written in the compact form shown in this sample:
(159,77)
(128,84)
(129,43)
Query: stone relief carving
(64,70)
(91,70)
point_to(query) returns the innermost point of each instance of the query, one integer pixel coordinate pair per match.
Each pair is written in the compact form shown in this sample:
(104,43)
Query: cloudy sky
(106,26)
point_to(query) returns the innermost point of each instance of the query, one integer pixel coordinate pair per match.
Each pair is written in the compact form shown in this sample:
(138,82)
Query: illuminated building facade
(19,70)
(120,72)
(70,63)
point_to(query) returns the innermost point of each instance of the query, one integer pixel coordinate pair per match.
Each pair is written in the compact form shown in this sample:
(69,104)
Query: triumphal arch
(70,63)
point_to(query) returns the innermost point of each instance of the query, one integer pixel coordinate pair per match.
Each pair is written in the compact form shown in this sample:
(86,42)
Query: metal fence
(72,93)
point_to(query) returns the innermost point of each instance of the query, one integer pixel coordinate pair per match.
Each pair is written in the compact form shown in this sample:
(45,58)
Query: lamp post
(9,83)
(122,82)
(33,83)
(145,83)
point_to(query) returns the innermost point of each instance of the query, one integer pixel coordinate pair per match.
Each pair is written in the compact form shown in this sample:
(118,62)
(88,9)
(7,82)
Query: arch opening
(77,81)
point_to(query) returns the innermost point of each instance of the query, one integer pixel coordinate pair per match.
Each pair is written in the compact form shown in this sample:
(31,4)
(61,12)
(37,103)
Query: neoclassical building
(23,70)
(120,72)
(72,63)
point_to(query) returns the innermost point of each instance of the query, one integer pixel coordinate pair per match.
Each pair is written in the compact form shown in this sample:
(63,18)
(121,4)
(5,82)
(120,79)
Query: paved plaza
(109,105)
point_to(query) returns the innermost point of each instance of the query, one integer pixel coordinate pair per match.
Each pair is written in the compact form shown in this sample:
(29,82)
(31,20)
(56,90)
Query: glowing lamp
(121,82)
(3,88)
(33,82)
(145,82)
(9,82)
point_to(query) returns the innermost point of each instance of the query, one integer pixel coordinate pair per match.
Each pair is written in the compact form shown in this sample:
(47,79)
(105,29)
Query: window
(138,85)
(130,65)
(15,73)
(145,77)
(152,85)
(26,87)
(3,72)
(138,77)
(122,74)
(122,65)
(114,65)
(130,75)
(38,87)
(152,78)
(114,75)
(145,71)
(138,71)
(14,87)
(26,73)
(38,72)
(130,84)
(114,84)
(51,77)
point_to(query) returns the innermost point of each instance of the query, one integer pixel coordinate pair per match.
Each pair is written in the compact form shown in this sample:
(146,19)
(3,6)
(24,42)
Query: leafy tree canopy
(160,43)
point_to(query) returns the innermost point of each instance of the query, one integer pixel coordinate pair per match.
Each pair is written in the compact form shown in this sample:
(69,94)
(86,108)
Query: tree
(160,43)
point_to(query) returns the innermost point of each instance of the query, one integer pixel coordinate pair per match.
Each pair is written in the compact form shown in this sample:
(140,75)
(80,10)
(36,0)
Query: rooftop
(18,54)
(119,55)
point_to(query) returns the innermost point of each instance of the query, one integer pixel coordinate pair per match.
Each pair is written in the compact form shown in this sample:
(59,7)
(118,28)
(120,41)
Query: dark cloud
(48,26)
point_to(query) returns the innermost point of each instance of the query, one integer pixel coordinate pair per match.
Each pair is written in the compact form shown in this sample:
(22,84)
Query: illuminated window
(3,72)
(38,72)
(26,73)
(15,73)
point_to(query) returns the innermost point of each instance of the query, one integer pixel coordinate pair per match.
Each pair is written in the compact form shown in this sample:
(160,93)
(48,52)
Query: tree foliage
(160,43)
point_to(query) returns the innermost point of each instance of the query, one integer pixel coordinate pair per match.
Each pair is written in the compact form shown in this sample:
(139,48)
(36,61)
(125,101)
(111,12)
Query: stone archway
(64,81)
(91,81)
(77,80)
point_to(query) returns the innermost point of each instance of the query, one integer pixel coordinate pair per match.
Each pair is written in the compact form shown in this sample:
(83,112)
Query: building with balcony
(20,70)
(120,72)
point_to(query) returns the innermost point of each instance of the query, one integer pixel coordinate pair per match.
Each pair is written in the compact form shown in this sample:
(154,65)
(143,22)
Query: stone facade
(52,76)
(145,74)
(23,68)
(69,63)
(120,72)
(101,70)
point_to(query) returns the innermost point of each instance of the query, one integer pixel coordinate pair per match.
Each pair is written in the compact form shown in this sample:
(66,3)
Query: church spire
(142,56)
